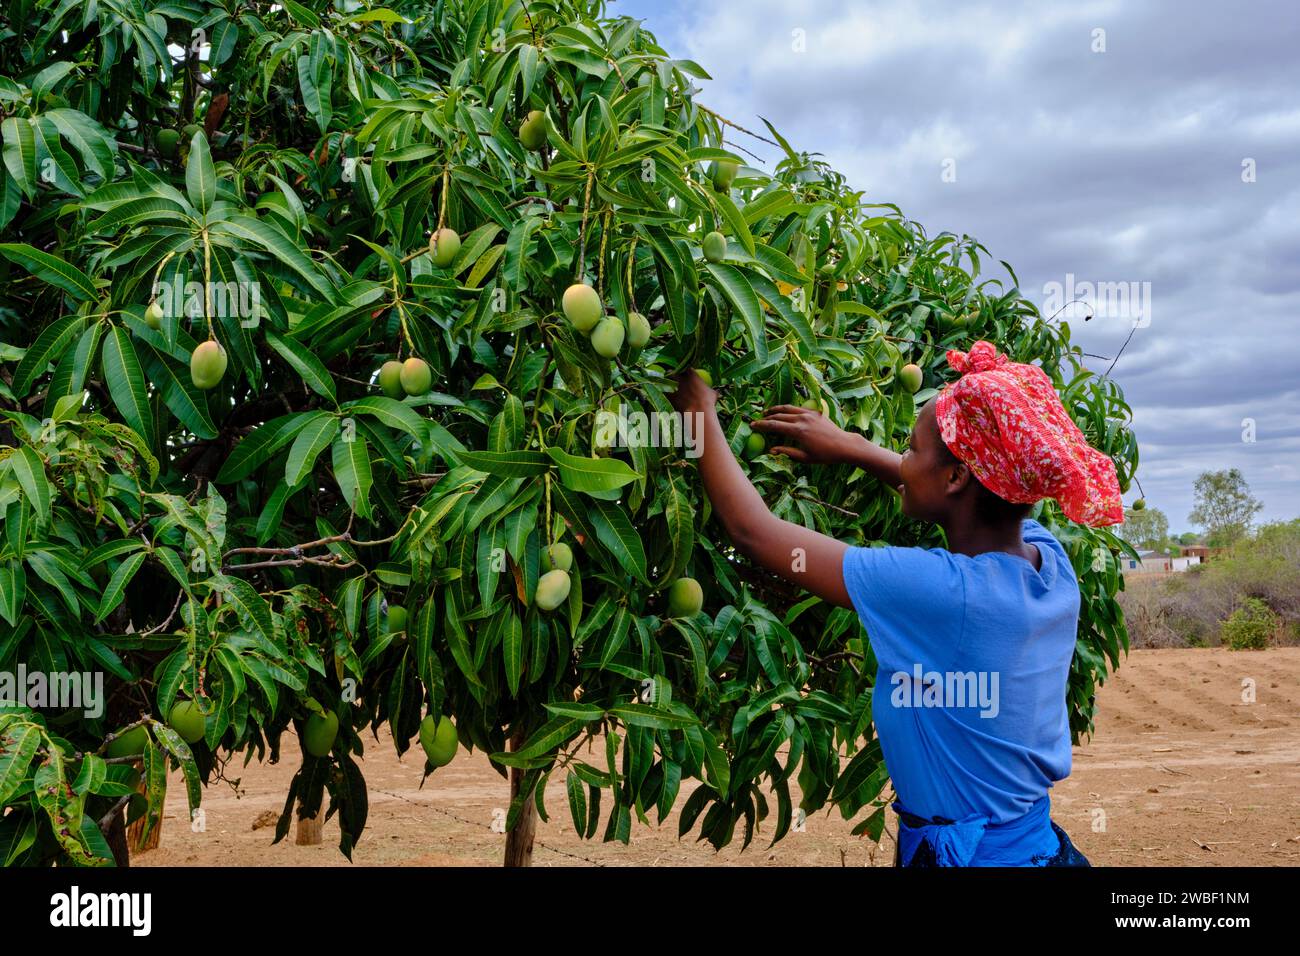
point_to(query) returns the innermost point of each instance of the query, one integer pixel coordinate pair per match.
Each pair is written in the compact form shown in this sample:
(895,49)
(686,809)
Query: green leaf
(174,566)
(769,203)
(735,221)
(591,474)
(29,469)
(280,246)
(91,140)
(16,758)
(252,607)
(391,412)
(352,472)
(20,152)
(185,400)
(109,550)
(859,769)
(377,16)
(48,570)
(680,519)
(13,591)
(65,810)
(57,272)
(737,290)
(125,380)
(716,767)
(257,448)
(577,801)
(475,244)
(57,166)
(512,649)
(117,584)
(83,356)
(303,362)
(302,14)
(314,435)
(49,346)
(550,735)
(643,715)
(315,89)
(507,464)
(200,177)
(615,531)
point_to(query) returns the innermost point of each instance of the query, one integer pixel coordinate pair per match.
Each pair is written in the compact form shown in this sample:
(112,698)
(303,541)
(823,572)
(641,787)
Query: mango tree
(315,319)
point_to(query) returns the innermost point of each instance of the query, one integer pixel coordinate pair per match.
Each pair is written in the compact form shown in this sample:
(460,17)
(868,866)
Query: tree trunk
(136,840)
(115,834)
(309,829)
(519,841)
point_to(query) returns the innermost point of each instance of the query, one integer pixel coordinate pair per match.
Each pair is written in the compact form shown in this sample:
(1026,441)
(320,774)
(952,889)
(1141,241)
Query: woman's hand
(692,394)
(820,441)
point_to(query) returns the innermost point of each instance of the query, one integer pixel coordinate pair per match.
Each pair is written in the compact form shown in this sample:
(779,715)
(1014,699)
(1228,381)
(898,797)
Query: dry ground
(1181,771)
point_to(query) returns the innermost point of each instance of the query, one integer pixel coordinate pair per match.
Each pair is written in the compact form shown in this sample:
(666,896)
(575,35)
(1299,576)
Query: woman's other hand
(815,438)
(693,393)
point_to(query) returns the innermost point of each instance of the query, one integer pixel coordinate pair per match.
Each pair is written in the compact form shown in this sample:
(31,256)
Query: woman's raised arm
(805,557)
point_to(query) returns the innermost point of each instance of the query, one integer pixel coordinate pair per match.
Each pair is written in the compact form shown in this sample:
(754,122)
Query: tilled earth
(1183,770)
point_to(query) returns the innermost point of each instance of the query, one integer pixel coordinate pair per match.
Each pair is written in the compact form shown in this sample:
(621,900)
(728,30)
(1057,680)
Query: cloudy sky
(1111,142)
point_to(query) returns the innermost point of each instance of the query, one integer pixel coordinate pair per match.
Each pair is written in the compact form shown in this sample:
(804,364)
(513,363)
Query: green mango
(685,598)
(558,555)
(532,132)
(390,379)
(187,720)
(439,739)
(638,330)
(416,376)
(208,364)
(607,338)
(715,247)
(553,589)
(321,733)
(582,306)
(443,246)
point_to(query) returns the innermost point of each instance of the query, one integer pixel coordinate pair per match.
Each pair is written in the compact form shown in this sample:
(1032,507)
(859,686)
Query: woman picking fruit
(1000,604)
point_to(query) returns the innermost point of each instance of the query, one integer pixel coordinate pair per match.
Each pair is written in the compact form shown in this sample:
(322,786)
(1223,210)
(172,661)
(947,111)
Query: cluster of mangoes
(168,140)
(582,307)
(685,596)
(412,377)
(553,586)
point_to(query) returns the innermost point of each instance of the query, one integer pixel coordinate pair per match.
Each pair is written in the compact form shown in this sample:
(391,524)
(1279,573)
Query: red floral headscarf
(1006,422)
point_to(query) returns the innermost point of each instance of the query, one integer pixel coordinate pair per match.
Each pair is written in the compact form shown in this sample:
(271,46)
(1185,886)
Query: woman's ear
(958,476)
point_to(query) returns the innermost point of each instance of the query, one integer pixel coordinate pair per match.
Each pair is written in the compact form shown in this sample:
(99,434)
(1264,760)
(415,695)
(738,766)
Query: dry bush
(1189,608)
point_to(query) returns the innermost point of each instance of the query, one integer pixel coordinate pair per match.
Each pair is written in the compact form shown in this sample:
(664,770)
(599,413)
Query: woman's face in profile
(924,469)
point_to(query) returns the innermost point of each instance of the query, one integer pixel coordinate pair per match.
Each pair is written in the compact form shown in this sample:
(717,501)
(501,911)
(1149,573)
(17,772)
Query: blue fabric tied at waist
(1027,840)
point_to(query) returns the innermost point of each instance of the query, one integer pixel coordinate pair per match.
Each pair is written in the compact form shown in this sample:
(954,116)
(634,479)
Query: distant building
(1153,562)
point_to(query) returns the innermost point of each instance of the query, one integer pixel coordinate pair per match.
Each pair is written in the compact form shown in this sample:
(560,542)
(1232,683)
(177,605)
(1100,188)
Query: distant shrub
(1190,608)
(1250,626)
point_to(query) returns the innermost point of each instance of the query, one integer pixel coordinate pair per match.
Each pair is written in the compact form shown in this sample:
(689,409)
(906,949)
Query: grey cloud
(1120,166)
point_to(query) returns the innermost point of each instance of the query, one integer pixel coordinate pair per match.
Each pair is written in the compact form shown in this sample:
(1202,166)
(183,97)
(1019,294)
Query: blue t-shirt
(974,655)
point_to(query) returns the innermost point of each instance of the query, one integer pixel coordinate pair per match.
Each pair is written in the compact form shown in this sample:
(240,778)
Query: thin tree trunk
(519,841)
(309,829)
(136,840)
(115,835)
